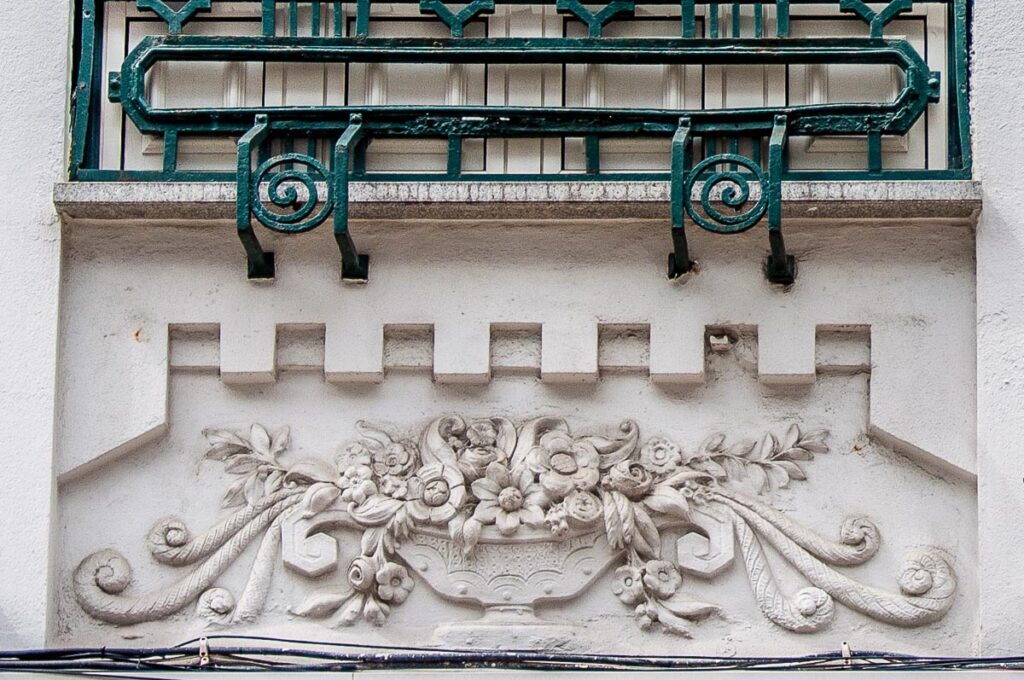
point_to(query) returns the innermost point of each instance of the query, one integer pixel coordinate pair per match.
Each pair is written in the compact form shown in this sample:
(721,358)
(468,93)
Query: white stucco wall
(999,145)
(33,48)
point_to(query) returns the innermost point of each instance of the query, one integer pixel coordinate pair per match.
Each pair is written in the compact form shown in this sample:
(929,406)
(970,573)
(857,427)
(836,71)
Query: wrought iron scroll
(725,201)
(299,205)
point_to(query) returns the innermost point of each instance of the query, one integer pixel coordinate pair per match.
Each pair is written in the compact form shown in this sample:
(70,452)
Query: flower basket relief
(505,517)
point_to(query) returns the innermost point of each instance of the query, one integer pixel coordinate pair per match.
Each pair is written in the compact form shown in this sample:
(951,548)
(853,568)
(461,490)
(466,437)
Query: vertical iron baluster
(713,19)
(339,20)
(688,12)
(269,22)
(170,152)
(782,18)
(315,19)
(736,19)
(293,18)
(759,21)
(362,18)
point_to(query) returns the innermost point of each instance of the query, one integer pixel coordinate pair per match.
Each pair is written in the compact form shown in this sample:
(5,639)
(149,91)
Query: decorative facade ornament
(503,517)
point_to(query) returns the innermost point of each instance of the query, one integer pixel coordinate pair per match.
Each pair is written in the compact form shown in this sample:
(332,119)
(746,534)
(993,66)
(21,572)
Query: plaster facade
(882,388)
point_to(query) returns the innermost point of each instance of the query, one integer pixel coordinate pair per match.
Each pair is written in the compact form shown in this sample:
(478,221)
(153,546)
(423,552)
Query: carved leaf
(777,475)
(711,467)
(735,468)
(253,489)
(318,498)
(814,441)
(224,443)
(273,481)
(758,478)
(742,449)
(371,540)
(791,437)
(766,449)
(375,510)
(795,453)
(280,439)
(321,605)
(235,495)
(310,471)
(793,470)
(711,445)
(685,475)
(689,609)
(668,501)
(671,622)
(434,447)
(242,464)
(351,610)
(259,440)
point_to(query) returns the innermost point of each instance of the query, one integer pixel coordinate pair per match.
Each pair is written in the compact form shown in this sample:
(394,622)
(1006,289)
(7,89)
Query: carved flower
(436,493)
(481,451)
(662,578)
(630,478)
(583,508)
(628,585)
(394,487)
(509,500)
(356,453)
(660,455)
(394,583)
(565,465)
(361,573)
(356,484)
(396,459)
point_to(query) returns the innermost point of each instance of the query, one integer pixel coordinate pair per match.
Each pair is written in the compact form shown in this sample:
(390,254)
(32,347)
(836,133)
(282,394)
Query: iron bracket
(744,212)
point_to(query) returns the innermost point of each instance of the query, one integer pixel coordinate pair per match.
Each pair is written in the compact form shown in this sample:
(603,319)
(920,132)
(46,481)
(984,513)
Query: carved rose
(662,578)
(436,493)
(395,459)
(565,465)
(660,455)
(394,583)
(628,585)
(509,500)
(583,508)
(356,484)
(361,573)
(630,478)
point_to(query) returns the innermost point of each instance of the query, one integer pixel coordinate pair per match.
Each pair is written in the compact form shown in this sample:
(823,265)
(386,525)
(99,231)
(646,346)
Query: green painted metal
(175,18)
(724,192)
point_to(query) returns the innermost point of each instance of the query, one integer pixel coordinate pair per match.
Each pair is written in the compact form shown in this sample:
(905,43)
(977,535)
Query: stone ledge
(950,201)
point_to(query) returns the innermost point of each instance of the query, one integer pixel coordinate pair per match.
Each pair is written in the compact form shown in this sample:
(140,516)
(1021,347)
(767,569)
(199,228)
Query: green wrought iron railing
(727,164)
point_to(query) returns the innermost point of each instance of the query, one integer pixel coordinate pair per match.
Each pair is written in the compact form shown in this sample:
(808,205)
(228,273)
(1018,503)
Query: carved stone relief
(505,517)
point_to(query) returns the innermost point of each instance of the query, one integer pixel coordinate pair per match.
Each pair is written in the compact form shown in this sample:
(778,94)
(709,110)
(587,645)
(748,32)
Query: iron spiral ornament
(298,213)
(736,194)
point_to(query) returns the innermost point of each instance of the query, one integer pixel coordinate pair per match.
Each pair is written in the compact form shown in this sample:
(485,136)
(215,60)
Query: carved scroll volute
(305,548)
(708,548)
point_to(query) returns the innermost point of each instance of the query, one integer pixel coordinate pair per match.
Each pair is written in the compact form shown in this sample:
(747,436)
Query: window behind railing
(112,148)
